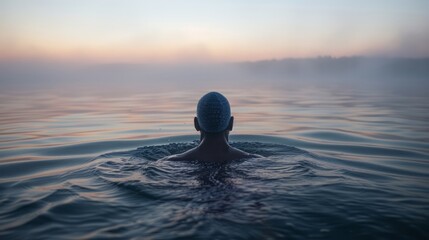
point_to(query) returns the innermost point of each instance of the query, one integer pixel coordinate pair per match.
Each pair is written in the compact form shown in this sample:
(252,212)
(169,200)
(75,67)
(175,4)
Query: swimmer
(214,122)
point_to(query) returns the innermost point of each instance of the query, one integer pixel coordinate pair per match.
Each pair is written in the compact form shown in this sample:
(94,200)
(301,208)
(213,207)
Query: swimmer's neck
(214,143)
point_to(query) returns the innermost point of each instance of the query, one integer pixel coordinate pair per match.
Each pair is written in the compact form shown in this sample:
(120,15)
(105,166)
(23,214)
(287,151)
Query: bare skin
(214,147)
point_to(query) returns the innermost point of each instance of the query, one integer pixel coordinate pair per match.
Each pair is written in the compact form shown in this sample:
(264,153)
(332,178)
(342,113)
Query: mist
(379,74)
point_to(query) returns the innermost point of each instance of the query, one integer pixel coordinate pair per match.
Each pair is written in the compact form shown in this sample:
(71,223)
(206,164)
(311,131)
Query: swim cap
(213,112)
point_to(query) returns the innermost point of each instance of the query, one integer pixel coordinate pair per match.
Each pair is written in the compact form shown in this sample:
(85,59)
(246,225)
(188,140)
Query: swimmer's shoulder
(193,154)
(176,157)
(251,155)
(186,156)
(240,154)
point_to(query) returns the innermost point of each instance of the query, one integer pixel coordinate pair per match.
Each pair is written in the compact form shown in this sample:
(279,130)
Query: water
(337,164)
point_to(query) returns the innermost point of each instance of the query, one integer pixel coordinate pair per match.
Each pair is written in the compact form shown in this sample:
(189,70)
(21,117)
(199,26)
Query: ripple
(129,194)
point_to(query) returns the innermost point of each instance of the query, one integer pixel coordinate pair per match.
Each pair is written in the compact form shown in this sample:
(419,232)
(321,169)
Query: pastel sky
(218,30)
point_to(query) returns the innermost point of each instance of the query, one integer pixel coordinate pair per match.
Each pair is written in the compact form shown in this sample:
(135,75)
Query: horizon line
(204,61)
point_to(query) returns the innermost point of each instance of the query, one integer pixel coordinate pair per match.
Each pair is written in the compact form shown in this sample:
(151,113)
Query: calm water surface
(337,164)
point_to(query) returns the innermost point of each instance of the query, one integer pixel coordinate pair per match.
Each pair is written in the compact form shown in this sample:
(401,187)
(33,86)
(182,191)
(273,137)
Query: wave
(289,192)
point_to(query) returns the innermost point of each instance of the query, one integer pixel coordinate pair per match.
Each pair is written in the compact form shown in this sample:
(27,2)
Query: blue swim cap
(213,112)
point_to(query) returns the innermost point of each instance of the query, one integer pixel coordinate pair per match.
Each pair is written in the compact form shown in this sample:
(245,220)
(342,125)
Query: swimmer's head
(213,114)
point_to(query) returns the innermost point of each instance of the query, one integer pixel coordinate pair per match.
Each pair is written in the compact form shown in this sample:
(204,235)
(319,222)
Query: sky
(221,30)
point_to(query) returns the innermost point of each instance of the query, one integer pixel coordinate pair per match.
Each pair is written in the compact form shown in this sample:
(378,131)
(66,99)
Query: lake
(338,162)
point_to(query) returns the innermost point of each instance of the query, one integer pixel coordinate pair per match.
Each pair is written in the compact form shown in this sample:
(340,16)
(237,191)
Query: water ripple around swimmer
(289,192)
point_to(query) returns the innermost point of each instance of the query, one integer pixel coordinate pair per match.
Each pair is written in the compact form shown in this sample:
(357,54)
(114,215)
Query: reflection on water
(43,120)
(358,167)
(289,193)
(363,126)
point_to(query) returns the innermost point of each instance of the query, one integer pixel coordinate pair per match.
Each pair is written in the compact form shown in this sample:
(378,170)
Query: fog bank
(361,72)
